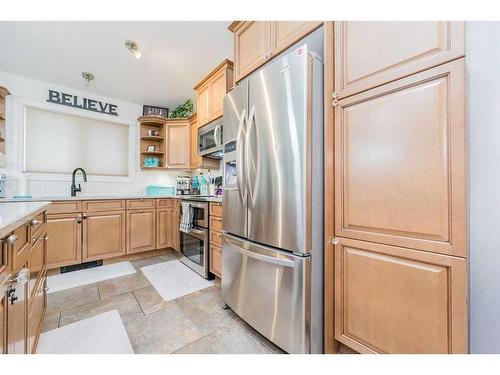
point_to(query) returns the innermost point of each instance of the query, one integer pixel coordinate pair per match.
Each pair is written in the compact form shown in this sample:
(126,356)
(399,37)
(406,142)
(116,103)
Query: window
(58,143)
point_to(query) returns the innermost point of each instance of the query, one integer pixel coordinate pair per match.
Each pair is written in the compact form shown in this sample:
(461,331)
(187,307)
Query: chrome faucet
(74,189)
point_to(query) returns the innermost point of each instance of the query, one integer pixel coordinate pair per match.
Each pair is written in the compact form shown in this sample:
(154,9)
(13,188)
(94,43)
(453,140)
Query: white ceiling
(175,56)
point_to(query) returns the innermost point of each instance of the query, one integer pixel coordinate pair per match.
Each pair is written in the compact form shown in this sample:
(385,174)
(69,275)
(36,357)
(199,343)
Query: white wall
(483,62)
(26,89)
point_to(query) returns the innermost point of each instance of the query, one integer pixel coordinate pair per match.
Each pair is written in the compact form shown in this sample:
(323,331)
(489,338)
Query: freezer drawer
(270,290)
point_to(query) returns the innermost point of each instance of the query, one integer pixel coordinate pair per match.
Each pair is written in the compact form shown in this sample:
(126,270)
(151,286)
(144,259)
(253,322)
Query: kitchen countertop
(14,214)
(102,197)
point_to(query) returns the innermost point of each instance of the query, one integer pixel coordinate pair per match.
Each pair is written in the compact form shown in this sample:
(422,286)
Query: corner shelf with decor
(152,142)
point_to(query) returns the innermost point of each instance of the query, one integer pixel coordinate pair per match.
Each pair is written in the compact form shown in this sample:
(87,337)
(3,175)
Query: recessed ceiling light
(134,48)
(88,77)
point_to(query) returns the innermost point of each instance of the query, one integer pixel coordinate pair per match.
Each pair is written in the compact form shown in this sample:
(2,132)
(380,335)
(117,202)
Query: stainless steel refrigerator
(272,252)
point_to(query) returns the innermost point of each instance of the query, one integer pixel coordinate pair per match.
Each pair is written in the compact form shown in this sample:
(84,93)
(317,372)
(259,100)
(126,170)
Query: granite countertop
(14,214)
(101,197)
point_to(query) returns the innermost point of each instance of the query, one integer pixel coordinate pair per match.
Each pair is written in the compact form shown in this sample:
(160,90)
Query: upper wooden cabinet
(395,300)
(371,53)
(178,144)
(400,162)
(210,92)
(255,42)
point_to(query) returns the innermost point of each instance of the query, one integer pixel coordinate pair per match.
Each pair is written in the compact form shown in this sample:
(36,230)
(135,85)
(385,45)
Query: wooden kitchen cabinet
(401,163)
(372,53)
(203,103)
(216,260)
(141,233)
(178,143)
(17,321)
(164,227)
(210,92)
(3,320)
(175,226)
(286,33)
(104,235)
(65,239)
(396,300)
(215,239)
(256,42)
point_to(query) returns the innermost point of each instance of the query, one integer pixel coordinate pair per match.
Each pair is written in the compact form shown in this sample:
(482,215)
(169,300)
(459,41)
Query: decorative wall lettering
(82,103)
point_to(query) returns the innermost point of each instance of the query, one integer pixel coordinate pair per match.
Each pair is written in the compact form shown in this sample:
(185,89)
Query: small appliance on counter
(184,185)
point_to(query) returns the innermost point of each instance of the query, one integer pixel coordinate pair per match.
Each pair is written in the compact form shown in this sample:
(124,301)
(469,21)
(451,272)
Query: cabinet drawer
(103,205)
(36,262)
(64,207)
(35,316)
(215,238)
(216,223)
(140,203)
(20,248)
(36,224)
(165,203)
(216,260)
(216,209)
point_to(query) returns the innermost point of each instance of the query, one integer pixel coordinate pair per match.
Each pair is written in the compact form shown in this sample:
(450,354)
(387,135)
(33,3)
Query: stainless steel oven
(210,140)
(194,242)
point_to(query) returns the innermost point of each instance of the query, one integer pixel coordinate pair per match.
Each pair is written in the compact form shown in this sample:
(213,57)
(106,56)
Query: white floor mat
(100,334)
(73,279)
(174,279)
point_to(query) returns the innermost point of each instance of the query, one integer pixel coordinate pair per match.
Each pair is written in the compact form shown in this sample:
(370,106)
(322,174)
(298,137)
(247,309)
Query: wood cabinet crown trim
(226,64)
(4,92)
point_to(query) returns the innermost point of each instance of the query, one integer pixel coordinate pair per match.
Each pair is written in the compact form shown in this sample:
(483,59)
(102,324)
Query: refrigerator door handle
(240,144)
(252,190)
(261,257)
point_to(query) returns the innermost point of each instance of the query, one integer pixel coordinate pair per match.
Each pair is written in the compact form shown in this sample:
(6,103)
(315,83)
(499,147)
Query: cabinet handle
(46,238)
(34,222)
(84,217)
(10,239)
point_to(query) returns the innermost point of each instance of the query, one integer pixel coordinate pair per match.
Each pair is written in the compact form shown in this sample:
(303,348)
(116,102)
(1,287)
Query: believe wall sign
(82,103)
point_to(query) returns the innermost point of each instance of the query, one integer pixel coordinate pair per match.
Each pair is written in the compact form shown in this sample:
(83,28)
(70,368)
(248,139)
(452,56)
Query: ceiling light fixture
(134,48)
(88,77)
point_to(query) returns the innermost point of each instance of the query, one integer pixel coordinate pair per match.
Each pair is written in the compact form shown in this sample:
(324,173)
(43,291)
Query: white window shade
(59,143)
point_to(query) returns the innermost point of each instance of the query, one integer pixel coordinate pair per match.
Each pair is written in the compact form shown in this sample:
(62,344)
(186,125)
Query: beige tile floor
(195,323)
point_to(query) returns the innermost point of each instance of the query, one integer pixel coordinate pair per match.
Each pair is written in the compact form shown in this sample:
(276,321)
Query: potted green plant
(184,110)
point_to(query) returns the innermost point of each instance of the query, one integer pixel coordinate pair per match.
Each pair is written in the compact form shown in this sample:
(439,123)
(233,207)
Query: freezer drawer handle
(265,258)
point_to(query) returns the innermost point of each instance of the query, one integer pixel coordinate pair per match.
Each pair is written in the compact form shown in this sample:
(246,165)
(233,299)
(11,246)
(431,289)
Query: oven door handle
(201,234)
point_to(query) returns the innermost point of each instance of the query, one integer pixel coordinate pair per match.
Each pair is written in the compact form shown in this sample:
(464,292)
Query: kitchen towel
(187,217)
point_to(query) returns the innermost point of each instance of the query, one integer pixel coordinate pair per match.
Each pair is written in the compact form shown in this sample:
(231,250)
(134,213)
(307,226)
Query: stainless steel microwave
(210,140)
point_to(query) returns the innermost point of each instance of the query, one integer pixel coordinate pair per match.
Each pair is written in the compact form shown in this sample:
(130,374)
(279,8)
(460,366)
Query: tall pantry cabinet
(396,276)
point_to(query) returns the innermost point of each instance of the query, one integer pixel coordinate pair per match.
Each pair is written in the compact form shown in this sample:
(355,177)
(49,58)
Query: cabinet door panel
(36,315)
(216,260)
(64,239)
(16,327)
(178,151)
(252,44)
(218,90)
(371,53)
(175,226)
(141,230)
(400,163)
(395,300)
(3,320)
(103,235)
(286,33)
(203,105)
(164,227)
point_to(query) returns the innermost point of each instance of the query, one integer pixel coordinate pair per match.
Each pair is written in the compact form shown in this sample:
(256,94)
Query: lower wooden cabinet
(175,226)
(164,226)
(394,300)
(36,314)
(216,260)
(3,320)
(103,235)
(16,322)
(141,234)
(65,239)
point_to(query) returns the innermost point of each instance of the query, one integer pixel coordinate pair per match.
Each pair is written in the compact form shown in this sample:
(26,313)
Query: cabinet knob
(10,239)
(34,222)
